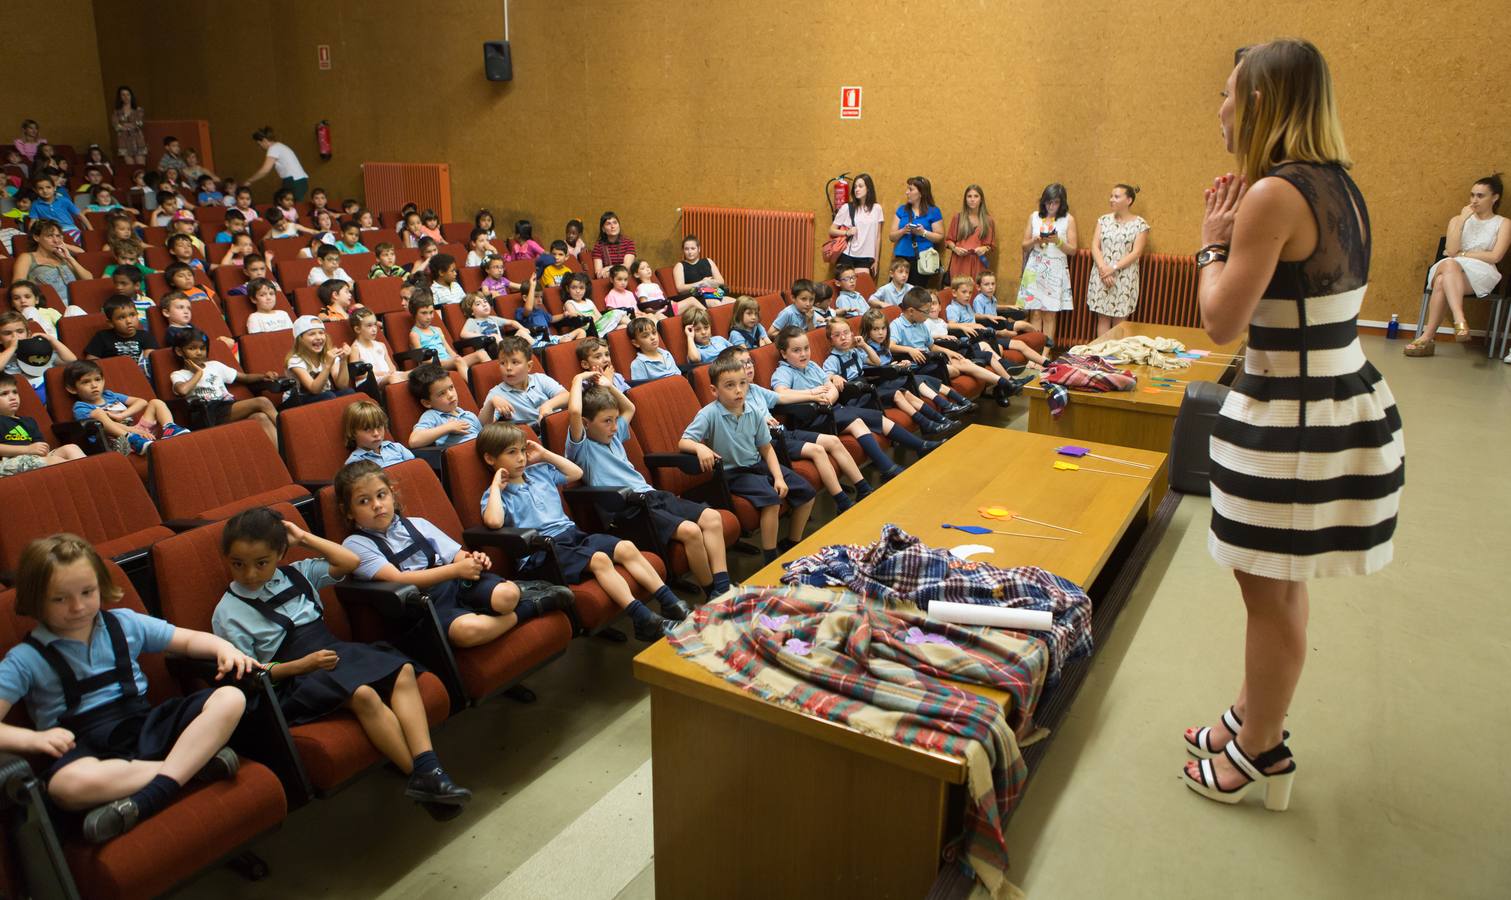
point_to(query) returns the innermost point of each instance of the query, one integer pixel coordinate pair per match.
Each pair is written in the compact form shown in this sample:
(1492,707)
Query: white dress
(1046,276)
(1478,236)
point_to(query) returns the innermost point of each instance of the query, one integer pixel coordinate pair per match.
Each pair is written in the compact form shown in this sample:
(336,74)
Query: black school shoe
(652,630)
(929,428)
(676,610)
(551,597)
(221,767)
(956,410)
(435,786)
(111,820)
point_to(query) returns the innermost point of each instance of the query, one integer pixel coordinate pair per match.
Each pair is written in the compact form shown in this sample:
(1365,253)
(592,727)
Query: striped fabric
(1308,458)
(886,673)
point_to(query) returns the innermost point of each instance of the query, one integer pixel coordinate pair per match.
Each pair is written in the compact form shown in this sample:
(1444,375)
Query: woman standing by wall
(281,158)
(860,220)
(127,120)
(1117,244)
(918,231)
(971,235)
(1307,454)
(1050,238)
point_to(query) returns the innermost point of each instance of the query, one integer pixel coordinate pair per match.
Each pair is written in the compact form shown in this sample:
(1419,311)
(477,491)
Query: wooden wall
(54,79)
(642,106)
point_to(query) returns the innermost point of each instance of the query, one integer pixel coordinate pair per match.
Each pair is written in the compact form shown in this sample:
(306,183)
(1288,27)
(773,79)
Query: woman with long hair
(971,235)
(860,220)
(1475,242)
(1307,453)
(127,120)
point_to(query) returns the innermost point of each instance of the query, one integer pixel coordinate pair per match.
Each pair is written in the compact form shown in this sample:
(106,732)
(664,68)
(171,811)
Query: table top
(980,466)
(1167,401)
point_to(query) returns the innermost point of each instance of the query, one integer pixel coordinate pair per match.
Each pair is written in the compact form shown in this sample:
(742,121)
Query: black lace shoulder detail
(1341,261)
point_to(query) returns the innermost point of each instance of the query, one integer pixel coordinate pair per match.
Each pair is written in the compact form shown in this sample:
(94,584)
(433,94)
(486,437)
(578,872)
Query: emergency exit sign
(849,102)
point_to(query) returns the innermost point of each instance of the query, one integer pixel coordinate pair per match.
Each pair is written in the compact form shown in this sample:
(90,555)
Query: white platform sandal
(1199,745)
(1277,786)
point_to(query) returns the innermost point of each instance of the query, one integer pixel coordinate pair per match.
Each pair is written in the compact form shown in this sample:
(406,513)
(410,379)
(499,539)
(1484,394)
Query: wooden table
(1136,418)
(758,800)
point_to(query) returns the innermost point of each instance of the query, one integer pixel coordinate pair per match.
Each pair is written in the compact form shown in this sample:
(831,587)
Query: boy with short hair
(525,494)
(736,432)
(702,344)
(21,446)
(911,337)
(523,396)
(128,255)
(172,157)
(206,193)
(444,422)
(236,223)
(552,275)
(168,206)
(652,361)
(128,421)
(29,355)
(891,293)
(364,424)
(54,205)
(598,424)
(848,301)
(255,267)
(387,265)
(593,356)
(330,266)
(801,312)
(351,239)
(205,380)
(126,336)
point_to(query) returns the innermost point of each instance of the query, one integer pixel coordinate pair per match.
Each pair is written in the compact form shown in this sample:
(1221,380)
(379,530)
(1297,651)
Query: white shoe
(1507,359)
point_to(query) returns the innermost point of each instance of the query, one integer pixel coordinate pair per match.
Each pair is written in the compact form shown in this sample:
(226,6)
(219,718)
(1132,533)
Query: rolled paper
(995,616)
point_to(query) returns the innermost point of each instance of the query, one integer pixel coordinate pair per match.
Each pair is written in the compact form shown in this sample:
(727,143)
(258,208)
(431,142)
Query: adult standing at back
(918,232)
(282,159)
(1116,245)
(1308,459)
(612,247)
(971,235)
(1050,239)
(127,120)
(860,220)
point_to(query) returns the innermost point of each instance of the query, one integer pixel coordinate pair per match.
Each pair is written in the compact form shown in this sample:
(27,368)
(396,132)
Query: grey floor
(1398,725)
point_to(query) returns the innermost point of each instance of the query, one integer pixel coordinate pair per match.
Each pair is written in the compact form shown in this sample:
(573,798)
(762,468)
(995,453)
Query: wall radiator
(1167,296)
(757,250)
(388,186)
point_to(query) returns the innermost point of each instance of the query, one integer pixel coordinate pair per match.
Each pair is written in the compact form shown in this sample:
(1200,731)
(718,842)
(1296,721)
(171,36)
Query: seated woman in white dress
(1477,241)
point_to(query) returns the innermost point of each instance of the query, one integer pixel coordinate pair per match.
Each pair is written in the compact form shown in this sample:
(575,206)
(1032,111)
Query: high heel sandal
(1461,331)
(1200,745)
(1423,346)
(1277,785)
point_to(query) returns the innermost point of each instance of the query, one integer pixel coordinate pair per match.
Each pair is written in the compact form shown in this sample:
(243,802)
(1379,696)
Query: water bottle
(1393,330)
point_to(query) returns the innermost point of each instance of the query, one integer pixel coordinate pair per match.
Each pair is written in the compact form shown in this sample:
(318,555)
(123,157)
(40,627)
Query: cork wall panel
(643,106)
(52,73)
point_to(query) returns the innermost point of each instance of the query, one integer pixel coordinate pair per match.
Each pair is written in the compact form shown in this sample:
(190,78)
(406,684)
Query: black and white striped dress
(1308,458)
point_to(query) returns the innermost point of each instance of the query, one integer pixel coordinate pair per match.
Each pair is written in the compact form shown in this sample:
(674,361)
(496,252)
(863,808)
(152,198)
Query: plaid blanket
(901,568)
(834,656)
(1082,373)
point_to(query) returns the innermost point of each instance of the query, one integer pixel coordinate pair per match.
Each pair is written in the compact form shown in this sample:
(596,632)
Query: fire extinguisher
(837,191)
(323,138)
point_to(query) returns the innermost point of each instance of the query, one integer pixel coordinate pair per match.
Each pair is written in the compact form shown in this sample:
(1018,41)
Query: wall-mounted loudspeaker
(498,62)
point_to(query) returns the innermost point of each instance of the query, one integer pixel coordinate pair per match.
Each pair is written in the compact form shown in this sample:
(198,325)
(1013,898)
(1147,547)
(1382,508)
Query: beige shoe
(1461,332)
(1421,347)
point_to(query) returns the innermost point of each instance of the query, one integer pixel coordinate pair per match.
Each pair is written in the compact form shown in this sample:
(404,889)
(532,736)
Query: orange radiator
(1167,296)
(388,186)
(758,251)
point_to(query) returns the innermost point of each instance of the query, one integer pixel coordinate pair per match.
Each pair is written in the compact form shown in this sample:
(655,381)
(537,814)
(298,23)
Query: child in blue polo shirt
(652,361)
(523,396)
(272,613)
(598,424)
(593,356)
(849,359)
(849,302)
(128,422)
(992,330)
(364,424)
(702,344)
(891,293)
(115,753)
(525,494)
(801,312)
(736,432)
(911,337)
(443,422)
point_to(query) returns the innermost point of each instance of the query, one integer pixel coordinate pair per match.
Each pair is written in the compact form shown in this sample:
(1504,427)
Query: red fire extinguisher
(323,138)
(837,191)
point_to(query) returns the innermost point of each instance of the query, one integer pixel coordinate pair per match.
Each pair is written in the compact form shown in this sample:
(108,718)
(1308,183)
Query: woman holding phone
(1049,240)
(917,230)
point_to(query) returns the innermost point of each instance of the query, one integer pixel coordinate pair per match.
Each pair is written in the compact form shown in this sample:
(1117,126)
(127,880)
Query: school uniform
(432,418)
(851,302)
(955,314)
(536,503)
(413,544)
(527,400)
(607,465)
(890,294)
(283,621)
(909,334)
(389,453)
(813,376)
(792,440)
(708,352)
(750,338)
(649,368)
(737,437)
(931,374)
(97,690)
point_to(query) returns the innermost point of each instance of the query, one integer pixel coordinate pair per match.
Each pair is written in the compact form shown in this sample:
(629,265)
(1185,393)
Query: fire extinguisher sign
(323,55)
(849,102)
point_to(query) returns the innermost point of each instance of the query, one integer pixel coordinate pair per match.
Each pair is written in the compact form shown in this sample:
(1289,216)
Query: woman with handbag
(855,234)
(918,232)
(1049,240)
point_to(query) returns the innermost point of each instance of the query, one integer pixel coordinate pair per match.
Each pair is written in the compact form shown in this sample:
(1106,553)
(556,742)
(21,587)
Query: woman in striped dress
(1307,453)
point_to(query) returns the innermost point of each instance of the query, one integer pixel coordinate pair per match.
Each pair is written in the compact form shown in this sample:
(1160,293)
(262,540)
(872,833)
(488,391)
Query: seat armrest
(416,356)
(391,599)
(432,456)
(188,669)
(12,768)
(182,525)
(314,486)
(517,540)
(609,499)
(683,462)
(477,342)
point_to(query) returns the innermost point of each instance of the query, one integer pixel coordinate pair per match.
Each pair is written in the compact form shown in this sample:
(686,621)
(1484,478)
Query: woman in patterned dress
(1307,455)
(1117,244)
(127,120)
(1049,240)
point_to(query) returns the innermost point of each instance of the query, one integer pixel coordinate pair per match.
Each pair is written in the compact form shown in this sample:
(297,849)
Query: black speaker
(498,62)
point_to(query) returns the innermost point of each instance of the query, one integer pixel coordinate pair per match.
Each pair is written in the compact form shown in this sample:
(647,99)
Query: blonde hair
(697,315)
(315,364)
(1296,115)
(958,281)
(360,416)
(41,559)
